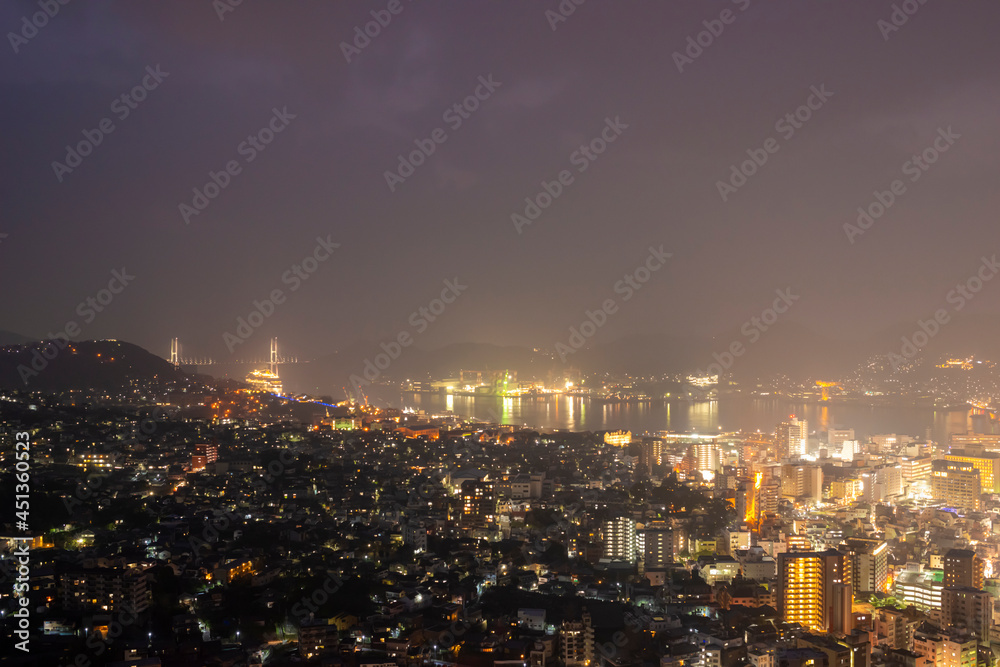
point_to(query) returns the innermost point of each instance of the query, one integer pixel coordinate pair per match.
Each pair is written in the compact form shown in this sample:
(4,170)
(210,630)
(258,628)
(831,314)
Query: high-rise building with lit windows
(707,458)
(479,501)
(203,455)
(987,463)
(946,649)
(576,642)
(802,482)
(963,567)
(652,454)
(957,482)
(792,439)
(658,545)
(869,564)
(620,539)
(968,608)
(814,589)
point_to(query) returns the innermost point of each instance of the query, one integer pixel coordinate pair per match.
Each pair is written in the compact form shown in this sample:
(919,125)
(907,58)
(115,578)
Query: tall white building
(835,437)
(883,483)
(848,449)
(620,539)
(919,587)
(706,457)
(792,438)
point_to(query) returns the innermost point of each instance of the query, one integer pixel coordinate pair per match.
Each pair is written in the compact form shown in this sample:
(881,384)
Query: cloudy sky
(685,114)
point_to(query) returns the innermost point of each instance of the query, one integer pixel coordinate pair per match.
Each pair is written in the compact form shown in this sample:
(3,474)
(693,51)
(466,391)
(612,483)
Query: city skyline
(500,333)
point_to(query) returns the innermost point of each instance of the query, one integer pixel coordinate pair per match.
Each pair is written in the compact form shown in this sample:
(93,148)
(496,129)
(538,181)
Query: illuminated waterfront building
(968,440)
(264,380)
(618,438)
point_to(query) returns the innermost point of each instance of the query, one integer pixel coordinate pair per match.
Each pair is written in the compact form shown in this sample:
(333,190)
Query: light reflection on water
(728,414)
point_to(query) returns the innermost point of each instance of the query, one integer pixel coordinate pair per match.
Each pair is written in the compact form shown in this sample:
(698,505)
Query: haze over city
(890,92)
(500,333)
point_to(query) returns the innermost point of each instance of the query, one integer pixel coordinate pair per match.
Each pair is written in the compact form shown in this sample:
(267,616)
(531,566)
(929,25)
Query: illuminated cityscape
(565,333)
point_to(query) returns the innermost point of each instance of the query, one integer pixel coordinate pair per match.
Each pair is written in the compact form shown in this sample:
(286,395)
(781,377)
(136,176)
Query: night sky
(887,95)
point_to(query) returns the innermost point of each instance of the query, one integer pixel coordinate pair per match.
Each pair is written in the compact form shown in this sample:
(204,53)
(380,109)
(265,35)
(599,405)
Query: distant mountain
(12,338)
(962,335)
(331,372)
(103,364)
(785,348)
